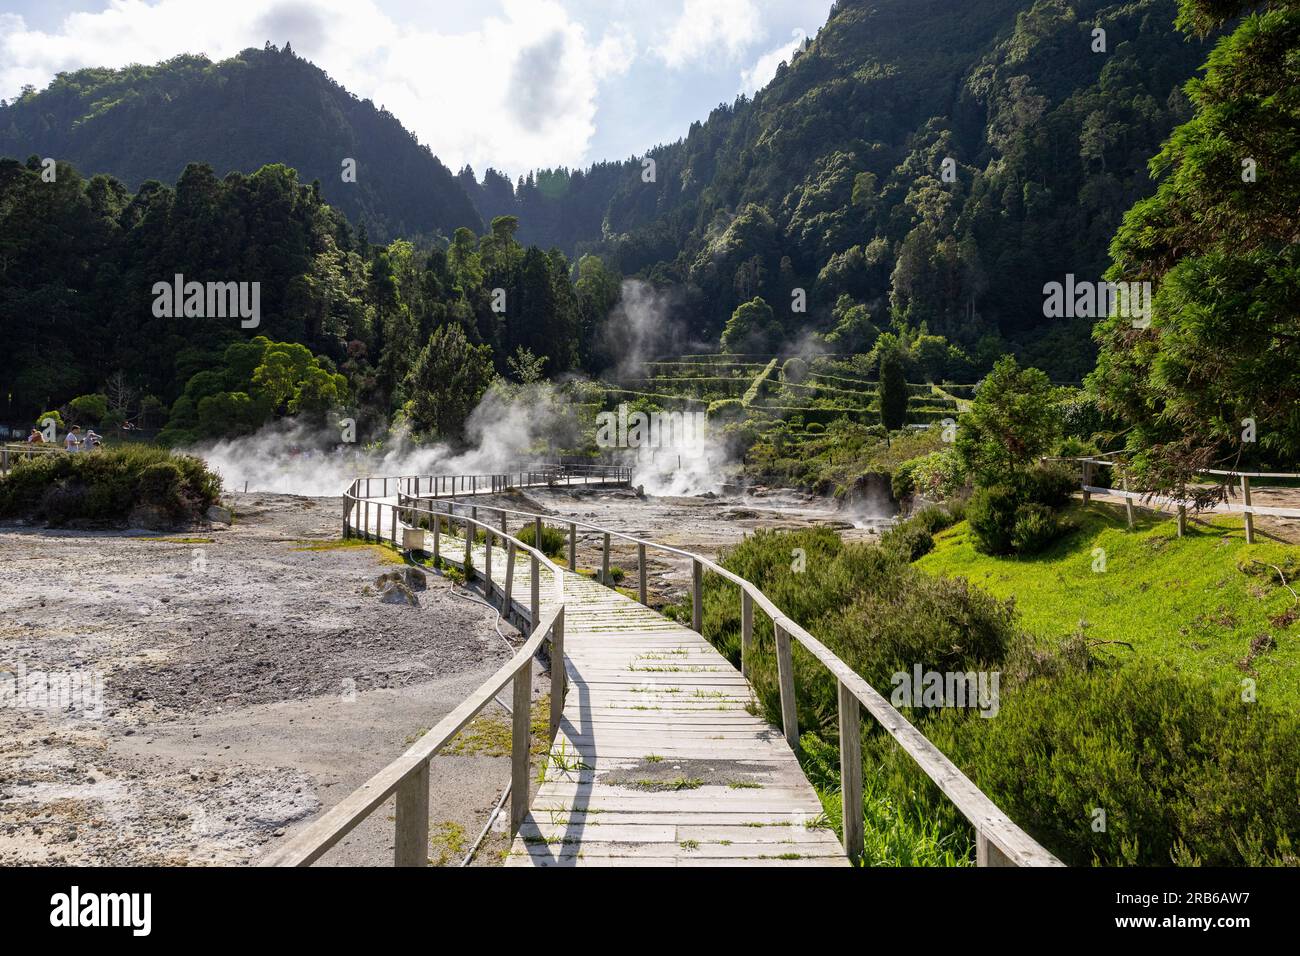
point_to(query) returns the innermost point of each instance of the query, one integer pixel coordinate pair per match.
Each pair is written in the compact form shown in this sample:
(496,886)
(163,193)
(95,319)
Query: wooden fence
(999,842)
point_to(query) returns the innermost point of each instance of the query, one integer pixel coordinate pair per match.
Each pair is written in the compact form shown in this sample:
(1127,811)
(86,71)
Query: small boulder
(399,594)
(415,579)
(219,515)
(387,578)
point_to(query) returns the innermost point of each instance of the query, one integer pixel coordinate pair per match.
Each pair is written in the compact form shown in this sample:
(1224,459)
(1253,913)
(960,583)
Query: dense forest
(261,107)
(831,179)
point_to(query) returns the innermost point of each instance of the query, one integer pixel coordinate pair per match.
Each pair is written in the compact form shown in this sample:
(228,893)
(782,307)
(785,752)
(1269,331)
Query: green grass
(1187,602)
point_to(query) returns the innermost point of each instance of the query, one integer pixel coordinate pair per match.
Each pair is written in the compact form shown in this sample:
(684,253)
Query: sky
(514,84)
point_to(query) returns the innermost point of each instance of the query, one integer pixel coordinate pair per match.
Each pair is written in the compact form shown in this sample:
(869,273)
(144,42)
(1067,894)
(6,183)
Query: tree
(446,383)
(1012,422)
(893,395)
(1218,241)
(88,409)
(752,327)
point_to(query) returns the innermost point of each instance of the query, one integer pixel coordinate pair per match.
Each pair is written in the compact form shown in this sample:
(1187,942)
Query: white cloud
(707,28)
(456,91)
(760,74)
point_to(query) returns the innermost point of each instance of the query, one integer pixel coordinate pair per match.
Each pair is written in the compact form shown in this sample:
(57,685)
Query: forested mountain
(260,107)
(830,178)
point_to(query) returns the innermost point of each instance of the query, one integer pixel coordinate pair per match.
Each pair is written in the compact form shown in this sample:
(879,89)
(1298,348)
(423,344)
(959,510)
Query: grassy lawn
(1185,601)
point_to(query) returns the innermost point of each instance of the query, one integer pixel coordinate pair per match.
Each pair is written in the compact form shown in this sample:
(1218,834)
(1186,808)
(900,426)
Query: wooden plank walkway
(658,760)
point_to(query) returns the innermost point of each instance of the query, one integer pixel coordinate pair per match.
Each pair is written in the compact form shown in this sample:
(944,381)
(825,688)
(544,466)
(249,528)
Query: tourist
(92,441)
(35,438)
(72,440)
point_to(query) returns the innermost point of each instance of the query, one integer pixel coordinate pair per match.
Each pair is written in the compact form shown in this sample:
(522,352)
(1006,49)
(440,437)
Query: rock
(415,579)
(399,594)
(387,578)
(219,515)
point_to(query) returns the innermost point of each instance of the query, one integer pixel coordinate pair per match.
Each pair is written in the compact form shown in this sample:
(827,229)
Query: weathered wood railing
(13,452)
(1246,509)
(408,775)
(999,842)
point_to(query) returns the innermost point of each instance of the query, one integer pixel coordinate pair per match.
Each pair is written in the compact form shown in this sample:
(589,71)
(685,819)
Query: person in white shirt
(72,441)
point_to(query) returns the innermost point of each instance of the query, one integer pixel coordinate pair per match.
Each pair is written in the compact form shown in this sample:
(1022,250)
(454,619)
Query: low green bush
(107,485)
(1036,527)
(991,512)
(555,543)
(1184,775)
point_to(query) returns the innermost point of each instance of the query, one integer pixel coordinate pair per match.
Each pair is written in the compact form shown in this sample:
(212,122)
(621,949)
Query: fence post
(510,579)
(604,563)
(1087,474)
(746,630)
(395,527)
(1128,504)
(469,555)
(1250,518)
(487,565)
(520,745)
(537,533)
(436,520)
(573,546)
(1182,519)
(785,676)
(697,596)
(534,601)
(558,674)
(640,564)
(411,842)
(986,854)
(850,773)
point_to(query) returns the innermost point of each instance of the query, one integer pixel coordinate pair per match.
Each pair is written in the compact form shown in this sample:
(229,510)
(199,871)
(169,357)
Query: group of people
(72,441)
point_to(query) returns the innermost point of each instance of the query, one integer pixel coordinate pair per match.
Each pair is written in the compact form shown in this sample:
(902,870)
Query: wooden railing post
(558,675)
(487,564)
(510,579)
(604,563)
(534,601)
(573,546)
(986,854)
(1087,475)
(785,676)
(850,773)
(411,842)
(746,630)
(1182,519)
(395,541)
(537,533)
(697,596)
(1250,517)
(520,745)
(469,554)
(1128,504)
(640,575)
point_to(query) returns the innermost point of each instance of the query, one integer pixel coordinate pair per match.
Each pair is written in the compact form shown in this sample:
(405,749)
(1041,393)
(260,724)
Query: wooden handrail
(999,842)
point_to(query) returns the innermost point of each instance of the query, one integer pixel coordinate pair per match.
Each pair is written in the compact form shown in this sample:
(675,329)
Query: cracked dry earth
(248,682)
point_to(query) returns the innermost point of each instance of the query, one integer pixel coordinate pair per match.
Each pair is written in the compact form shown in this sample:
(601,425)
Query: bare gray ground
(247,684)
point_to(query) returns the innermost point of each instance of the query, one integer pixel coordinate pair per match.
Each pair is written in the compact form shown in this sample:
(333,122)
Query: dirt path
(226,686)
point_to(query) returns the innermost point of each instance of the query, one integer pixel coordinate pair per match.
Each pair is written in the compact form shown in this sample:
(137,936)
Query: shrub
(1050,484)
(877,612)
(555,543)
(1036,527)
(107,485)
(991,513)
(909,539)
(1185,773)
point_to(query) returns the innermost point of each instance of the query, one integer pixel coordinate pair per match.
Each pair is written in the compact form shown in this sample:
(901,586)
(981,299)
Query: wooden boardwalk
(658,760)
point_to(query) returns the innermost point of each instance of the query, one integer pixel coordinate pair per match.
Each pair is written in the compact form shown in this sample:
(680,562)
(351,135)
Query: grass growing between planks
(1209,604)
